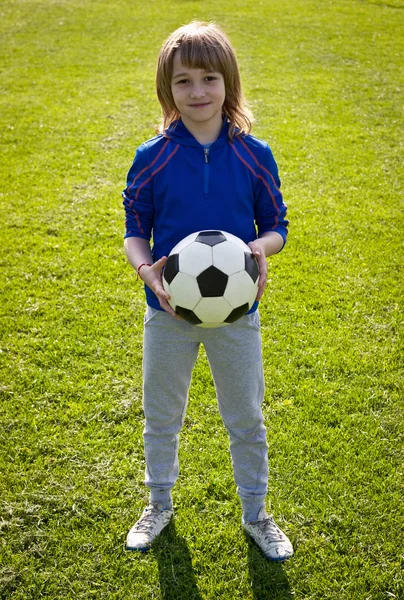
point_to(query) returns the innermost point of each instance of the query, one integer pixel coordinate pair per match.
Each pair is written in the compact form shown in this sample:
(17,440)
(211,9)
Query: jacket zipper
(206,172)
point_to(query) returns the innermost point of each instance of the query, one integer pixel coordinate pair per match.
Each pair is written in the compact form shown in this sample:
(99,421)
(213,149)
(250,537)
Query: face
(198,95)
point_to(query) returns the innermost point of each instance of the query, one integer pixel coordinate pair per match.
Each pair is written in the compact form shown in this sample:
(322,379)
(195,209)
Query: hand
(259,254)
(152,276)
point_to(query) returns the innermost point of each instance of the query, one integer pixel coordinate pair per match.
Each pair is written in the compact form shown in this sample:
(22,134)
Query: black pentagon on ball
(251,266)
(212,282)
(187,315)
(237,313)
(211,238)
(171,268)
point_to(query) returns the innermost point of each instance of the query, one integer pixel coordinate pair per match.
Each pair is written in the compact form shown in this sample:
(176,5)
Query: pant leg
(235,358)
(169,357)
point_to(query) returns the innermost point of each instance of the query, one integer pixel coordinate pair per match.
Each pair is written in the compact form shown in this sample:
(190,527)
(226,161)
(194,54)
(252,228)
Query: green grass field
(325,80)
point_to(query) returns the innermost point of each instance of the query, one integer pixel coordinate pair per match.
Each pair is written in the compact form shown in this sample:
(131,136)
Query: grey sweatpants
(235,359)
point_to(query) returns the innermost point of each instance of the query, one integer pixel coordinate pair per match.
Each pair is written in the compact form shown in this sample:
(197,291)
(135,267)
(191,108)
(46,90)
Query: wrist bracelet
(140,266)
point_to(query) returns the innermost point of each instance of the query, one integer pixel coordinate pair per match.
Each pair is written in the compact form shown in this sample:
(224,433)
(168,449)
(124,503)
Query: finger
(165,306)
(262,266)
(160,289)
(159,264)
(263,279)
(260,291)
(261,288)
(163,298)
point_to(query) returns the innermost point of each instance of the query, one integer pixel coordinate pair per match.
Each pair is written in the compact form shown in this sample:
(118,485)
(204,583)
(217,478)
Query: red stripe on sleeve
(156,171)
(139,224)
(148,166)
(261,178)
(251,153)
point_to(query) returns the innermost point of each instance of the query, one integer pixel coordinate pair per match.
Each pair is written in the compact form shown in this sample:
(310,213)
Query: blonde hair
(202,46)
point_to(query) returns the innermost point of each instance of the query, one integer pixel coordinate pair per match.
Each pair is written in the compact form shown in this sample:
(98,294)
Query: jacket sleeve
(138,198)
(270,209)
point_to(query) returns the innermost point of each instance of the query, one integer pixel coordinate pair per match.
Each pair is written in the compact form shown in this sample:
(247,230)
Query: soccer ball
(212,278)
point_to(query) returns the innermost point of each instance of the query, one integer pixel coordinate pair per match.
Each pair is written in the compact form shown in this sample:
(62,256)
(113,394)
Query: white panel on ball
(184,243)
(253,295)
(185,287)
(228,257)
(237,241)
(240,289)
(212,325)
(212,311)
(167,289)
(195,258)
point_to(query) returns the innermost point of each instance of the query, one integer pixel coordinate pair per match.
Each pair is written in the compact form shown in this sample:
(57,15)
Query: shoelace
(270,530)
(147,519)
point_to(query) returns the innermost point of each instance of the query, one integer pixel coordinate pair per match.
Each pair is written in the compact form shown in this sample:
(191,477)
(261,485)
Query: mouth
(200,105)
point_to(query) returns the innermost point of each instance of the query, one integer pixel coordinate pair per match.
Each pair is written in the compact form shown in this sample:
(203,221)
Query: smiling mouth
(199,105)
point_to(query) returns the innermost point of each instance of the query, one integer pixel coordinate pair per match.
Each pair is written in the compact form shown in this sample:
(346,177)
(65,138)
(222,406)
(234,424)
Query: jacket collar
(180,134)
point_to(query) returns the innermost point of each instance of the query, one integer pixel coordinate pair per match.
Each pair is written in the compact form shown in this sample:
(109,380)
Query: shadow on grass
(177,579)
(268,578)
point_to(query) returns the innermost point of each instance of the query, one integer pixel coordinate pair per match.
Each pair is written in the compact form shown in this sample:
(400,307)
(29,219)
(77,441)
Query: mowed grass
(325,82)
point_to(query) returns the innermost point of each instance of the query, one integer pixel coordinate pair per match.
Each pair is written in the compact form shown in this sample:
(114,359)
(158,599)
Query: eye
(210,78)
(182,81)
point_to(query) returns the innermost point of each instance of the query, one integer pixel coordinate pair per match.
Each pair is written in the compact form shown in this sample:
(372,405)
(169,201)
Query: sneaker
(269,537)
(149,526)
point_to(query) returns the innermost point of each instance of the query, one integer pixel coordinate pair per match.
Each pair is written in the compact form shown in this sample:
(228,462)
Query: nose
(197,92)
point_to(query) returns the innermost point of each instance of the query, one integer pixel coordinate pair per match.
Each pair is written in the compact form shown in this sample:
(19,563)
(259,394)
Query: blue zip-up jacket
(176,186)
